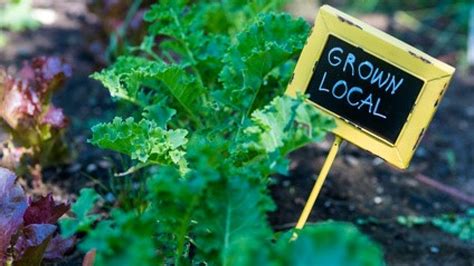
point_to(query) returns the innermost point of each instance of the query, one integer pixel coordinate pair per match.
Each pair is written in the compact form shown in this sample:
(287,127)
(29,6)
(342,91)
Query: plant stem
(9,261)
(133,169)
(114,37)
(226,236)
(182,230)
(185,45)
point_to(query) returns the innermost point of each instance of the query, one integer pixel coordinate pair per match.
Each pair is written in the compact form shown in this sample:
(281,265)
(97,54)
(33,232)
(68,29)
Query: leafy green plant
(31,127)
(461,225)
(28,230)
(83,220)
(16,15)
(211,127)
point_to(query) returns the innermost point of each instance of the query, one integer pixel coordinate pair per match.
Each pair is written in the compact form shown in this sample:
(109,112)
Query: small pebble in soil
(294,164)
(327,204)
(74,168)
(377,200)
(379,190)
(105,164)
(109,197)
(351,160)
(434,249)
(394,179)
(300,201)
(411,182)
(286,183)
(324,145)
(91,168)
(292,191)
(421,152)
(470,111)
(463,124)
(377,161)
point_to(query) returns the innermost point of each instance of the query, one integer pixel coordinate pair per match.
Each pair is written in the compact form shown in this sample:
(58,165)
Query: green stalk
(114,37)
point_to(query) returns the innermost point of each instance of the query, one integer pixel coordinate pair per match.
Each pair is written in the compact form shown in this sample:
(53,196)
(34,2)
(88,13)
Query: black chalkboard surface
(363,89)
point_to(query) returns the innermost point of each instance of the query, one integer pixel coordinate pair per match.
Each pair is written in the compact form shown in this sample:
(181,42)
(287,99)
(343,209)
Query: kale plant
(211,126)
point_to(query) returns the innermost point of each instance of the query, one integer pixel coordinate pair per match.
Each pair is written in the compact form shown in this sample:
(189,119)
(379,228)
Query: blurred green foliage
(16,15)
(460,225)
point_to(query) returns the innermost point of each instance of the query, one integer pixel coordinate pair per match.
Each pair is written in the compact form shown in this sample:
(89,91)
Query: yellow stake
(319,182)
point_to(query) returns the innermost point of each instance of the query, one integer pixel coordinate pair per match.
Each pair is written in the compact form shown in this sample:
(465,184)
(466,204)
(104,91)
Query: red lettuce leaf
(55,117)
(32,243)
(44,211)
(58,246)
(45,74)
(19,103)
(31,223)
(23,98)
(13,204)
(31,127)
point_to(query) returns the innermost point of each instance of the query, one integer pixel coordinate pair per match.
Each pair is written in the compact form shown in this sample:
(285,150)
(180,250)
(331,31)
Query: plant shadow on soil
(359,186)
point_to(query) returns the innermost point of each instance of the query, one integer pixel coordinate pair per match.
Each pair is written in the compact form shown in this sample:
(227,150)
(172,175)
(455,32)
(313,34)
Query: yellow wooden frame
(434,73)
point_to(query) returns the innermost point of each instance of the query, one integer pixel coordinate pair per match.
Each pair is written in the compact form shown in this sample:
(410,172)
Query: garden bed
(360,188)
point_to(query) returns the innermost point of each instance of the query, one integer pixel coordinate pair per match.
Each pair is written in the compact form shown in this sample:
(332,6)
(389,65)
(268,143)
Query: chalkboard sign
(381,92)
(365,90)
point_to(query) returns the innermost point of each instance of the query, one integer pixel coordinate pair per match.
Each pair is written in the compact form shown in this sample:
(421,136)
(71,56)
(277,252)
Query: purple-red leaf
(33,235)
(33,225)
(22,98)
(45,74)
(32,243)
(33,125)
(12,207)
(19,103)
(89,258)
(55,117)
(44,211)
(58,246)
(50,67)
